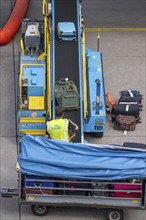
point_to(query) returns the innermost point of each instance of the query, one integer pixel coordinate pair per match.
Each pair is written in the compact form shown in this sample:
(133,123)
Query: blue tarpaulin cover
(39,156)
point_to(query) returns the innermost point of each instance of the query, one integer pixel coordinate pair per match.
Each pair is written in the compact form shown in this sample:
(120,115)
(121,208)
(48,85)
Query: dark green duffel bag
(66,94)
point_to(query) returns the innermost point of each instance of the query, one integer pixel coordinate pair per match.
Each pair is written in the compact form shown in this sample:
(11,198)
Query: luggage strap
(130,93)
(127,108)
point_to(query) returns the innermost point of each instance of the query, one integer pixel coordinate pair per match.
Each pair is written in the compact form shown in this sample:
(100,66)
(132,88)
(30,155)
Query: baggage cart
(114,196)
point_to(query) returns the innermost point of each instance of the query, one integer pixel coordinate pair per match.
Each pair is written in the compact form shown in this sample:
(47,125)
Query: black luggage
(132,96)
(99,189)
(129,100)
(134,145)
(73,189)
(122,109)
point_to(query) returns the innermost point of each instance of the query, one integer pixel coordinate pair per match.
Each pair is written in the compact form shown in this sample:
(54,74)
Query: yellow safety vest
(58,129)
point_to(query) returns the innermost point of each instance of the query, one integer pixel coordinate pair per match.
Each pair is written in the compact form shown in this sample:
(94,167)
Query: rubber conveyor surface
(66,54)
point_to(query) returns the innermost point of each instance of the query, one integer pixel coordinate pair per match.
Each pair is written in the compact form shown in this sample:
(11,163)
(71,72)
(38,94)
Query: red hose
(14,21)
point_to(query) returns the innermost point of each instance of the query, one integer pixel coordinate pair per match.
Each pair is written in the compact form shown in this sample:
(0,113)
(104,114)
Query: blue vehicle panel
(35,76)
(37,121)
(96,102)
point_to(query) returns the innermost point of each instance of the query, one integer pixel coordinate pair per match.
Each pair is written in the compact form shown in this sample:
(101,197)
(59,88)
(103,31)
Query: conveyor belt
(66,54)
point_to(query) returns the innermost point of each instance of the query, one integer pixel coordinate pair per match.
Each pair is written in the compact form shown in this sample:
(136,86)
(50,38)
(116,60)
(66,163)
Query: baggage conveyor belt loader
(81,65)
(44,61)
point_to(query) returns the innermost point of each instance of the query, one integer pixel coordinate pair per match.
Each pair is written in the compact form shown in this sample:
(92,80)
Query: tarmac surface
(124,68)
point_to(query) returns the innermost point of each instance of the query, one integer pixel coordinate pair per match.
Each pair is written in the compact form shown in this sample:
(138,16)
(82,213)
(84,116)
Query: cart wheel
(115,214)
(98,134)
(40,210)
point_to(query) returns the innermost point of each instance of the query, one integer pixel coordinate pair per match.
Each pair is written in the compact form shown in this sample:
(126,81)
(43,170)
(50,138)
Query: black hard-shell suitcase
(122,109)
(134,145)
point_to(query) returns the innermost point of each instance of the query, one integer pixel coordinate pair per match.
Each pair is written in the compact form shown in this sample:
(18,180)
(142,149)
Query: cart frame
(90,196)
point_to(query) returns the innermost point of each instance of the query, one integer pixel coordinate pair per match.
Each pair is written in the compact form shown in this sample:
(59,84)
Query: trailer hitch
(9,192)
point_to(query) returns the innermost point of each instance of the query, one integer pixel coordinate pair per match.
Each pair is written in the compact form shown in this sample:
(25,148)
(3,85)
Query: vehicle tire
(98,134)
(115,214)
(40,210)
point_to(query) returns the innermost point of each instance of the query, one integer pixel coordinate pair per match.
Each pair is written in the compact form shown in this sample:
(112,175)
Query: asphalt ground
(124,68)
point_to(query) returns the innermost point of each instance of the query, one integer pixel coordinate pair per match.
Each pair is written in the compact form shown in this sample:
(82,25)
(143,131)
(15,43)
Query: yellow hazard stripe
(104,30)
(92,30)
(33,132)
(32,120)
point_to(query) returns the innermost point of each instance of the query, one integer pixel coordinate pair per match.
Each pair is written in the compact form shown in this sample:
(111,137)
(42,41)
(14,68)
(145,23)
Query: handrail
(47,53)
(49,79)
(22,47)
(45,14)
(84,76)
(45,8)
